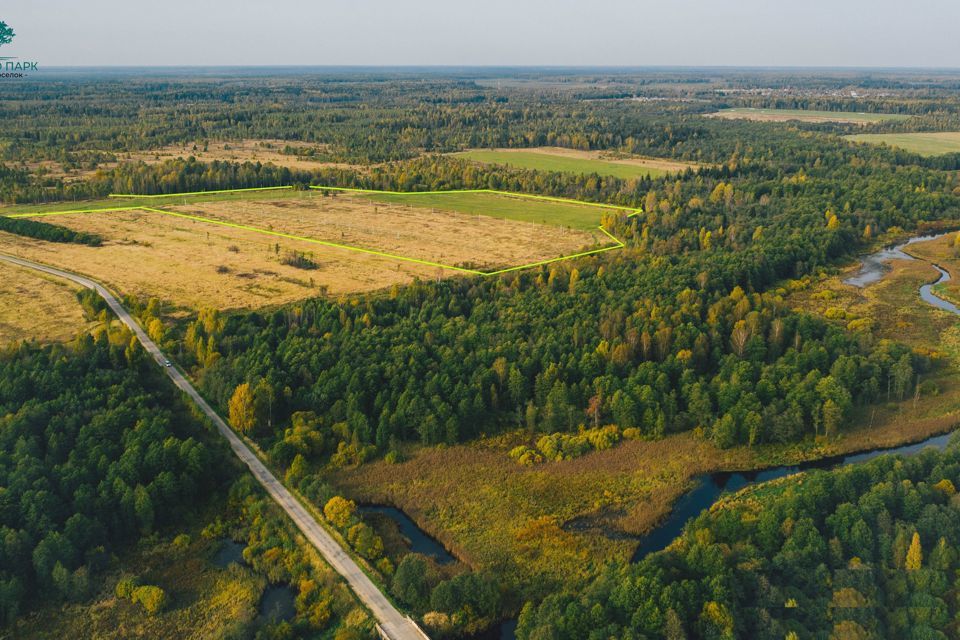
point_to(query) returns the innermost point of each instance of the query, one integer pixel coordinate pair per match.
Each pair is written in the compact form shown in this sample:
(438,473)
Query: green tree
(410,583)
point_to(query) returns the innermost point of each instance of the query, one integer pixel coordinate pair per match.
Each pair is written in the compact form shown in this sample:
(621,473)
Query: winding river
(709,488)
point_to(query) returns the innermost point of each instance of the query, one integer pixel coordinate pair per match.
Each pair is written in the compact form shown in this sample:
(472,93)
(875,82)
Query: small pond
(420,541)
(277,603)
(229,552)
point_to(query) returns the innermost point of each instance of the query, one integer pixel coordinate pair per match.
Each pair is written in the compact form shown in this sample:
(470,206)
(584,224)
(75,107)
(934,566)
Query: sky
(829,33)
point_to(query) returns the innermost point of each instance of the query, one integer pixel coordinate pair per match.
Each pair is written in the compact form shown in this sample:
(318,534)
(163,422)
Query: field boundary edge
(617,243)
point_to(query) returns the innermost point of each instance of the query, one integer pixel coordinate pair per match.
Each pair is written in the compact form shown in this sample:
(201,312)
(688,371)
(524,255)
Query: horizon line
(519,66)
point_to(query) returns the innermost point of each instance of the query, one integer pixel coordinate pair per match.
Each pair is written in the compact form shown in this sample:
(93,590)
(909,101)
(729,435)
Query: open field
(264,151)
(437,235)
(563,214)
(803,115)
(308,157)
(234,195)
(926,144)
(37,307)
(195,264)
(574,161)
(237,246)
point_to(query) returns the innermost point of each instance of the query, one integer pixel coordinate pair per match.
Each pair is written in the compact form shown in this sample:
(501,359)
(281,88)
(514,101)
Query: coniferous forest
(722,328)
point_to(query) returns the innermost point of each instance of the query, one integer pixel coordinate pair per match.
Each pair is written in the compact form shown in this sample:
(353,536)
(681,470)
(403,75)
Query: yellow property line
(618,244)
(513,194)
(196,193)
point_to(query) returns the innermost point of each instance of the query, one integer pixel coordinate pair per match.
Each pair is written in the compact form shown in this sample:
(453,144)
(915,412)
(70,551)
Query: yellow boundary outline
(618,244)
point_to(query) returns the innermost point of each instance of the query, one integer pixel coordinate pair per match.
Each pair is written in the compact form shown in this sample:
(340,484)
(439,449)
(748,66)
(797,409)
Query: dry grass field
(265,151)
(445,237)
(194,264)
(35,306)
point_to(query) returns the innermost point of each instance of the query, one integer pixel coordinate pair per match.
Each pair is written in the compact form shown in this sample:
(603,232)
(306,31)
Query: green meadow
(925,144)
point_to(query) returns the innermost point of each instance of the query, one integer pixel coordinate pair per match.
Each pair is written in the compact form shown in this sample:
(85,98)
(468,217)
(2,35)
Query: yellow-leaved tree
(242,414)
(914,554)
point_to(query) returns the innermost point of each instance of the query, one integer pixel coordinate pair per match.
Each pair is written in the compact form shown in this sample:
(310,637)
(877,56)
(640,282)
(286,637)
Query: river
(708,488)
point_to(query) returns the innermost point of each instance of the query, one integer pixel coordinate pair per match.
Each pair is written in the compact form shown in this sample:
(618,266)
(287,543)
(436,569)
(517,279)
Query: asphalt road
(392,623)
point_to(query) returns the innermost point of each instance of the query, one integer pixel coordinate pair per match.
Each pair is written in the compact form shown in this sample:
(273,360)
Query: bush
(299,260)
(153,599)
(340,512)
(125,587)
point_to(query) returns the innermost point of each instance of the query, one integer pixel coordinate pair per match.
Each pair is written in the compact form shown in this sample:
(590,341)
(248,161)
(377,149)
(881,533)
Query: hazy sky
(486,32)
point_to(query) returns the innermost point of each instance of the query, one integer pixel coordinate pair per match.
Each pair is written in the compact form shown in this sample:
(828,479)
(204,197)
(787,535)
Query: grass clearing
(307,156)
(925,144)
(162,200)
(804,115)
(36,306)
(193,264)
(237,246)
(563,214)
(574,161)
(435,235)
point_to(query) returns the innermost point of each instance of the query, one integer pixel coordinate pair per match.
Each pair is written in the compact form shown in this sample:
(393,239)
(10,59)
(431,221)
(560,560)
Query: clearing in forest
(925,144)
(283,153)
(575,161)
(283,245)
(804,115)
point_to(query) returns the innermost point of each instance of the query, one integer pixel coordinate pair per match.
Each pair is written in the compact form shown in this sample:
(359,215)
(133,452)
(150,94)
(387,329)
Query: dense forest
(687,329)
(88,123)
(868,551)
(93,455)
(680,331)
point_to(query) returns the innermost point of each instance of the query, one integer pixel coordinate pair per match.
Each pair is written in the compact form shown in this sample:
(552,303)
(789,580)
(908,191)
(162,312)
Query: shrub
(299,260)
(125,587)
(153,599)
(365,541)
(340,511)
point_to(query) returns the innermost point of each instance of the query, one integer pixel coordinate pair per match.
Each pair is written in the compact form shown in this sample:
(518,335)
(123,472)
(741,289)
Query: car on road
(167,363)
